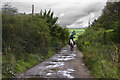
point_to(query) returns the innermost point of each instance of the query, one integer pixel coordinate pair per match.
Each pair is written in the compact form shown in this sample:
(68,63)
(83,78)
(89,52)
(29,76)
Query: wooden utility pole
(32,9)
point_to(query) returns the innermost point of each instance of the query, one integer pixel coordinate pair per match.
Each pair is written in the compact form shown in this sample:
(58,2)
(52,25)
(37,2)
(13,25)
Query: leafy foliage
(27,37)
(110,19)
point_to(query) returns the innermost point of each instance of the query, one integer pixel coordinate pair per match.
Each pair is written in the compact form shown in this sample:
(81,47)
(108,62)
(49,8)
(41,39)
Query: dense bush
(24,34)
(28,40)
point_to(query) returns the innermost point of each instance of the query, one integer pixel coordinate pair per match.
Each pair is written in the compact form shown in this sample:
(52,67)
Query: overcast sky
(72,13)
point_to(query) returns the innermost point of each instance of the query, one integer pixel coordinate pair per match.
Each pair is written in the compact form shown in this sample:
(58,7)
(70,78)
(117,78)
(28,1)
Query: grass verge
(101,60)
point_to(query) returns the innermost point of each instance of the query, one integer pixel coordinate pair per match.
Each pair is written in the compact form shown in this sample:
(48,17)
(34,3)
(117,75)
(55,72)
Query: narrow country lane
(64,64)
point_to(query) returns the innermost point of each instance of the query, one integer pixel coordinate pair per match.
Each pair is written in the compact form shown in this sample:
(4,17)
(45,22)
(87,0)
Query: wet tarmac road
(65,64)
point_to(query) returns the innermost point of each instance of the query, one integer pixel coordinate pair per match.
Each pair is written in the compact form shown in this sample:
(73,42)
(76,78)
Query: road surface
(64,64)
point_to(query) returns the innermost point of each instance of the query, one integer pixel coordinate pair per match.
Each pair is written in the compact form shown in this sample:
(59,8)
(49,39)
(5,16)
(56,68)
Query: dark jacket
(72,37)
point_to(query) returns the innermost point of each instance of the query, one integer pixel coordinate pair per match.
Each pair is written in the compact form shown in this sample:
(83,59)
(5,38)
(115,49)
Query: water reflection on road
(55,65)
(64,64)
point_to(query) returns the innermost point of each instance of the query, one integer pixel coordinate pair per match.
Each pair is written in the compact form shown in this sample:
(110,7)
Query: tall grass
(99,53)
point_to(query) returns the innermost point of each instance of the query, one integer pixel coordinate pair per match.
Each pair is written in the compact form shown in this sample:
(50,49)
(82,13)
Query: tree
(110,19)
(8,9)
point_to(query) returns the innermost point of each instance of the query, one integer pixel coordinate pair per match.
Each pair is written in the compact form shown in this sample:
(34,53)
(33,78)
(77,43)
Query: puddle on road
(64,51)
(49,74)
(55,64)
(59,60)
(62,73)
(65,58)
(83,64)
(50,65)
(66,73)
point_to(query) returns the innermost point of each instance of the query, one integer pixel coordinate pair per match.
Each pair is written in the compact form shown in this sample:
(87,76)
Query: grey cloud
(70,18)
(94,7)
(72,11)
(79,22)
(73,14)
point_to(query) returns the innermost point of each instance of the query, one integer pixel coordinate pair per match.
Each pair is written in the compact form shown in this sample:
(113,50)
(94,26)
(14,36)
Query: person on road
(72,37)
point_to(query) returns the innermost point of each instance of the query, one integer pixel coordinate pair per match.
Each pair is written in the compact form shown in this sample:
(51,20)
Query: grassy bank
(100,55)
(13,66)
(101,60)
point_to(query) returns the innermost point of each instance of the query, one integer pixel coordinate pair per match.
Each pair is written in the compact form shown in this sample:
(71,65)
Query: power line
(18,5)
(21,5)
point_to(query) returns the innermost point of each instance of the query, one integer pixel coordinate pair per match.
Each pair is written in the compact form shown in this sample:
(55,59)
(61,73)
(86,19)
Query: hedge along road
(64,64)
